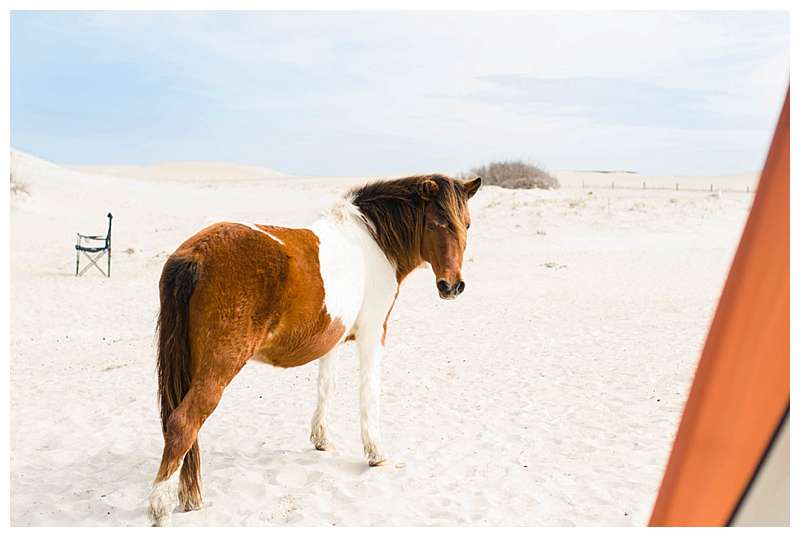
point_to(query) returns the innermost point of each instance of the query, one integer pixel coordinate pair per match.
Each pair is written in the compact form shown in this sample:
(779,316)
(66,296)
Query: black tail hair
(177,283)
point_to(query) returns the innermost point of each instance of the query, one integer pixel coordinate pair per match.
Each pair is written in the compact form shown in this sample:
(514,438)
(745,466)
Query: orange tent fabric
(741,387)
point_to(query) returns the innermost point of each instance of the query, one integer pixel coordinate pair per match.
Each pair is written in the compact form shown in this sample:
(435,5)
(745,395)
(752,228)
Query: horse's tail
(177,283)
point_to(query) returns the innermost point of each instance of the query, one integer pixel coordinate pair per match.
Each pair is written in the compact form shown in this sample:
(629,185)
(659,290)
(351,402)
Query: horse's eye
(468,226)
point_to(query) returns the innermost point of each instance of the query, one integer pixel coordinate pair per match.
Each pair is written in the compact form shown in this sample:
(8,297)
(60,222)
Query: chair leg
(109,263)
(77,261)
(93,262)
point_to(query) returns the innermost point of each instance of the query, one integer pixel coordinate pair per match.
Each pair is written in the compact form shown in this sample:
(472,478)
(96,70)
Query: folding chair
(88,245)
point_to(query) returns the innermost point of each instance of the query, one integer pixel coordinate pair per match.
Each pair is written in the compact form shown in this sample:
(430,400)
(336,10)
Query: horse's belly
(294,349)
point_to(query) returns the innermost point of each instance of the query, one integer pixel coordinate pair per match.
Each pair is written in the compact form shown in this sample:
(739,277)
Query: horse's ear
(428,189)
(472,186)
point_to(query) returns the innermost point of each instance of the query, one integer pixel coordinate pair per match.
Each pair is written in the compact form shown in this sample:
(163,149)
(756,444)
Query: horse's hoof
(378,461)
(322,443)
(158,521)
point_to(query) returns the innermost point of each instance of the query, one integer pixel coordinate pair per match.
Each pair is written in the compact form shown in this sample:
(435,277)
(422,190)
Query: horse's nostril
(460,287)
(443,286)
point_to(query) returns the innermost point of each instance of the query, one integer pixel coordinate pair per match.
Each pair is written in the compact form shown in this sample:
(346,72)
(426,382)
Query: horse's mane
(394,212)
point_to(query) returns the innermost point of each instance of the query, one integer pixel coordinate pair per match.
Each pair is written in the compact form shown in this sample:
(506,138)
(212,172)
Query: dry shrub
(17,187)
(514,174)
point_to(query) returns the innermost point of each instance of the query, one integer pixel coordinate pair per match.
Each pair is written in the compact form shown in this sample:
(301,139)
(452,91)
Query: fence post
(676,187)
(712,187)
(644,185)
(583,183)
(612,185)
(748,188)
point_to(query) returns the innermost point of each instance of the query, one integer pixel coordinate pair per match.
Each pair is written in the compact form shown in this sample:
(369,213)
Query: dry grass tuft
(18,187)
(514,174)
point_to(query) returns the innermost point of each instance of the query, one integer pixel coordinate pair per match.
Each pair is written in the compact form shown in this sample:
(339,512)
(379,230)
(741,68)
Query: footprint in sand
(292,477)
(314,477)
(284,510)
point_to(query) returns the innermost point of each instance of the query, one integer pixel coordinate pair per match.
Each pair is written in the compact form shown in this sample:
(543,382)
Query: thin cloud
(609,101)
(377,92)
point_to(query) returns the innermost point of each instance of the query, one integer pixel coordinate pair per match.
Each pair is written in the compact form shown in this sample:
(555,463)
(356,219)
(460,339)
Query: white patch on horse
(164,499)
(341,265)
(256,228)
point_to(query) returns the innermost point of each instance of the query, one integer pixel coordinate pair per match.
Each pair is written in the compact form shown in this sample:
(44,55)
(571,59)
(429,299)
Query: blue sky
(381,93)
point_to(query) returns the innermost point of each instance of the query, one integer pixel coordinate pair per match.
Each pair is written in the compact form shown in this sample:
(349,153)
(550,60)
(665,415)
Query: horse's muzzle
(449,292)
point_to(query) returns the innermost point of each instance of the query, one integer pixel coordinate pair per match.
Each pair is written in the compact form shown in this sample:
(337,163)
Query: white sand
(548,394)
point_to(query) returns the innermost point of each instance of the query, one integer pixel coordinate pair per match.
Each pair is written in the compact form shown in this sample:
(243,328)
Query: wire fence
(675,188)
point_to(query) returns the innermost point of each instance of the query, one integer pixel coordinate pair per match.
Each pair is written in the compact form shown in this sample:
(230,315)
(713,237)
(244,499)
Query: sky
(370,93)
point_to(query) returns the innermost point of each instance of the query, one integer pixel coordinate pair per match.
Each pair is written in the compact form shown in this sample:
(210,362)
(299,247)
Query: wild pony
(235,292)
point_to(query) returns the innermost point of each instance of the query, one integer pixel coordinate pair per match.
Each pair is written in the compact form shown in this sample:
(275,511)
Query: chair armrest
(94,237)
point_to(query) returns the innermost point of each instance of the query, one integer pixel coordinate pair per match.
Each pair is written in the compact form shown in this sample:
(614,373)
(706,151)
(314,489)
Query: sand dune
(186,172)
(548,394)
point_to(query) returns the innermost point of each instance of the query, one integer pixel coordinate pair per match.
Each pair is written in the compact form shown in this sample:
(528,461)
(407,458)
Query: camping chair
(92,246)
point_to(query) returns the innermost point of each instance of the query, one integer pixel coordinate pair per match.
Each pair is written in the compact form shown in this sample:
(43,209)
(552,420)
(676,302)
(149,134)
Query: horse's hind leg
(181,434)
(326,385)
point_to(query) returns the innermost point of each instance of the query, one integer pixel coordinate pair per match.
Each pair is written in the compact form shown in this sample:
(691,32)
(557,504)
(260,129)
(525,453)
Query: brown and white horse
(235,292)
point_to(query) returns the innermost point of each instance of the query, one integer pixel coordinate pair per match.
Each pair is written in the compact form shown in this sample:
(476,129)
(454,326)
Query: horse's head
(444,230)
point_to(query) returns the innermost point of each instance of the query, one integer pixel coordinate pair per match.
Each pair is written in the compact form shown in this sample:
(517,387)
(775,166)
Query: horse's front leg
(370,351)
(326,385)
